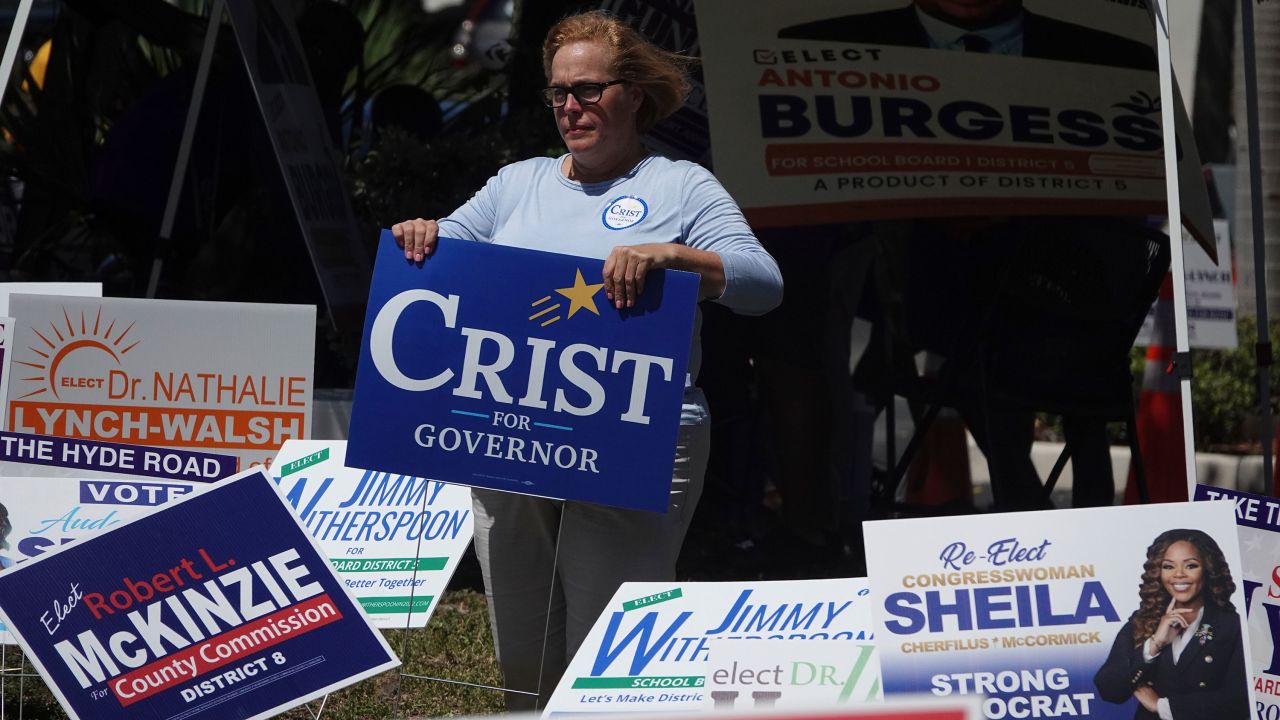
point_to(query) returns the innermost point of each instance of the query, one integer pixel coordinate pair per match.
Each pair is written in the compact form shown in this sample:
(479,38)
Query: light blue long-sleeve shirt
(531,204)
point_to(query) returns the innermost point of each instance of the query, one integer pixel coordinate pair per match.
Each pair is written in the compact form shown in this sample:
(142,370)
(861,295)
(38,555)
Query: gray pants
(600,548)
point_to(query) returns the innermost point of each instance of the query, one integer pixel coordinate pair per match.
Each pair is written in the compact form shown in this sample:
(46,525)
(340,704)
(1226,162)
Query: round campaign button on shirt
(624,211)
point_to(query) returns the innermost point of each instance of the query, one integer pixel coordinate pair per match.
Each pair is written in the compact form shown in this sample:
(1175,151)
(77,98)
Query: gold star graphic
(581,295)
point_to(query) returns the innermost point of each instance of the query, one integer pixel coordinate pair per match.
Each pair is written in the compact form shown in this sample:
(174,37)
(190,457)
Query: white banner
(394,539)
(86,289)
(1211,295)
(233,378)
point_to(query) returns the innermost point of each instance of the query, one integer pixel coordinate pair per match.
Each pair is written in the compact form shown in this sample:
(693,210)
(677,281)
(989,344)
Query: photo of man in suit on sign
(998,27)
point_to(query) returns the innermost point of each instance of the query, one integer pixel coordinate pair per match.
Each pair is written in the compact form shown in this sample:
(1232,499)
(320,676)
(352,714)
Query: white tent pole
(1182,356)
(11,48)
(184,150)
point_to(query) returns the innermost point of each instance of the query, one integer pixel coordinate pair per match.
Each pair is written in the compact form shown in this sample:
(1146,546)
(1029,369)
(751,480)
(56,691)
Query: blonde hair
(660,75)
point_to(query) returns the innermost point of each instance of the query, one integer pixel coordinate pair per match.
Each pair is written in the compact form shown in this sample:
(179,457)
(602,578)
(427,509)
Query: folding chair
(1049,330)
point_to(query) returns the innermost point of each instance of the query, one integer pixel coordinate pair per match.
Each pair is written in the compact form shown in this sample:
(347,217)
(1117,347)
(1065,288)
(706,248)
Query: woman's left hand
(626,266)
(1148,697)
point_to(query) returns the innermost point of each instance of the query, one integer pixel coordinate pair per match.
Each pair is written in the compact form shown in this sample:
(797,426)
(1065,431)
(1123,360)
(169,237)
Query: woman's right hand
(417,237)
(1173,624)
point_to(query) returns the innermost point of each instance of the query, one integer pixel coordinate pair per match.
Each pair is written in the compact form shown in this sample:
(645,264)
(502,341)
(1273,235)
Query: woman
(1180,654)
(606,86)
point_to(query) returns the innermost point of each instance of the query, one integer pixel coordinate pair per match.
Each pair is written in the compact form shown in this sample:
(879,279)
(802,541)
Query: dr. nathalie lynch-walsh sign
(509,369)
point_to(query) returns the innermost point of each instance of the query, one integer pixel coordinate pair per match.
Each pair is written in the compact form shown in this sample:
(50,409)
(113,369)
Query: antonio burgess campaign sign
(507,368)
(839,110)
(232,613)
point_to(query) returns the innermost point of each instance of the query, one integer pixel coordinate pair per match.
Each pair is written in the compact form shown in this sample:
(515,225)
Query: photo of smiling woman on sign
(1180,654)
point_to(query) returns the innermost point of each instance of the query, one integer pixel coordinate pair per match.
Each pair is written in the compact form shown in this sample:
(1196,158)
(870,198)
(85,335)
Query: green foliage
(404,178)
(1224,391)
(24,692)
(403,44)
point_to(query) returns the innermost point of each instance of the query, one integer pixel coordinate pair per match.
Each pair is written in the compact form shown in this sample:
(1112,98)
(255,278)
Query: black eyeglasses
(585,93)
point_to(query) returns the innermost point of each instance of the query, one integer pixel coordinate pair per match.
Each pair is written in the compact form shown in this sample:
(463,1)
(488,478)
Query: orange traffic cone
(1160,413)
(939,474)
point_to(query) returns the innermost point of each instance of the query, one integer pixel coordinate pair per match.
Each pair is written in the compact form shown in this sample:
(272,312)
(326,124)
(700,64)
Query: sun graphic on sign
(61,341)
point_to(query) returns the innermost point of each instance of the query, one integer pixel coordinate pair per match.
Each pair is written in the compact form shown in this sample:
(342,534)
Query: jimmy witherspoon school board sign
(650,650)
(395,539)
(508,369)
(231,378)
(224,618)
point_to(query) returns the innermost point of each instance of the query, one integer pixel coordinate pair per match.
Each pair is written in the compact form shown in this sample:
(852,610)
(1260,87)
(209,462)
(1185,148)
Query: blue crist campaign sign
(218,606)
(507,368)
